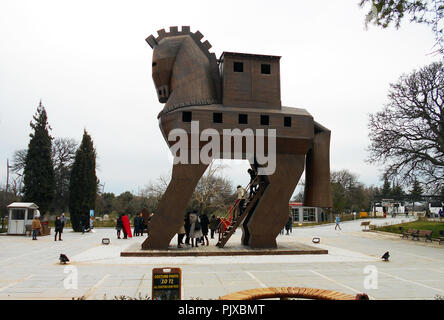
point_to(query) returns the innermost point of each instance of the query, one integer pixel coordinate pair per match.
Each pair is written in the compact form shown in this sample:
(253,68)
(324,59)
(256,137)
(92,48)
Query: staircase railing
(226,233)
(226,219)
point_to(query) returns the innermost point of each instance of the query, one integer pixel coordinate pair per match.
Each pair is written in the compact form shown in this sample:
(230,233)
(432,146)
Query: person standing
(195,228)
(214,222)
(119,226)
(36,226)
(289,224)
(136,222)
(241,201)
(204,221)
(406,212)
(142,224)
(63,219)
(337,223)
(180,235)
(253,184)
(58,228)
(187,226)
(126,226)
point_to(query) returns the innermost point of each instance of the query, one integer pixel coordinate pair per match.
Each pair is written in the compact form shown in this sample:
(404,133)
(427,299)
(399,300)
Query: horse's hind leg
(170,213)
(271,213)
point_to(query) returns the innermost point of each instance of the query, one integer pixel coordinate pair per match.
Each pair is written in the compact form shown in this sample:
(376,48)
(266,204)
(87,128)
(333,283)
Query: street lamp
(6,192)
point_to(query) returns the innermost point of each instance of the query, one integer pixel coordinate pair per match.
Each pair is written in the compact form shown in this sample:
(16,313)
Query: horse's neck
(191,81)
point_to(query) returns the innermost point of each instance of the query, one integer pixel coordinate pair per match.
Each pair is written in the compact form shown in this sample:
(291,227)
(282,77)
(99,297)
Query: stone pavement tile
(112,292)
(130,283)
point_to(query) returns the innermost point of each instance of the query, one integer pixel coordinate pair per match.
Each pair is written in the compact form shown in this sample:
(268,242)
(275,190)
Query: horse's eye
(154,64)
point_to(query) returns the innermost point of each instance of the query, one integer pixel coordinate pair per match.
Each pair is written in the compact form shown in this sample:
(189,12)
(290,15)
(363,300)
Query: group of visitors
(122,220)
(288,226)
(59,224)
(195,229)
(139,225)
(139,222)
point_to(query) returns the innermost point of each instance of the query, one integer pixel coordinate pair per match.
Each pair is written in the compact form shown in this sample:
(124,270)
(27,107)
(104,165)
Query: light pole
(6,192)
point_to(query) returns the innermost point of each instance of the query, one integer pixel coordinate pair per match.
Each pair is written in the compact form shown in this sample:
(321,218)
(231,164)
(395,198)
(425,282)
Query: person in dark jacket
(136,225)
(204,222)
(119,226)
(58,228)
(187,226)
(253,185)
(289,224)
(142,224)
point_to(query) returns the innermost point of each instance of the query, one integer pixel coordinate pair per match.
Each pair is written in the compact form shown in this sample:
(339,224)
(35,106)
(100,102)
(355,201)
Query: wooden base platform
(288,248)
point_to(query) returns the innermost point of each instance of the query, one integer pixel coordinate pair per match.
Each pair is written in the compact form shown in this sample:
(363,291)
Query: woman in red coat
(126,227)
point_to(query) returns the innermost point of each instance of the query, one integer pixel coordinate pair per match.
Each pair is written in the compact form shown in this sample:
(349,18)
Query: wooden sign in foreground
(167,284)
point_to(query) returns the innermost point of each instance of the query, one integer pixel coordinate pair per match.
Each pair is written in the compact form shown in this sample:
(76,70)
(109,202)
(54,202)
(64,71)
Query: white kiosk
(21,214)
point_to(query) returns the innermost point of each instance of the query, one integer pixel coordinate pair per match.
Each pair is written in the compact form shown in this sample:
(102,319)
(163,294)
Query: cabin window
(287,121)
(265,68)
(217,117)
(243,118)
(186,116)
(238,66)
(265,120)
(18,214)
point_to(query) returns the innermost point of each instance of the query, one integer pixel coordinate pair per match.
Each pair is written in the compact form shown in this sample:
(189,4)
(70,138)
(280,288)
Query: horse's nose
(163,94)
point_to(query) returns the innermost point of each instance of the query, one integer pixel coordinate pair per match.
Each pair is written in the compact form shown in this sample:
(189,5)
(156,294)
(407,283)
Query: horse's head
(164,55)
(166,49)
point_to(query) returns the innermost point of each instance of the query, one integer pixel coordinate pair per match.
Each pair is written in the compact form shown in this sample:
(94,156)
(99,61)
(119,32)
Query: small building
(434,208)
(389,207)
(250,80)
(21,214)
(303,214)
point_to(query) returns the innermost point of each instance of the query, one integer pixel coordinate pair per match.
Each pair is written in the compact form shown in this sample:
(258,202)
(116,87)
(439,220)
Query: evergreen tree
(397,192)
(83,183)
(38,172)
(386,188)
(416,191)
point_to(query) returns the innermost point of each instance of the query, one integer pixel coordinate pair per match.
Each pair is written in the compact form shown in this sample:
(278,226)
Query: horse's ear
(151,41)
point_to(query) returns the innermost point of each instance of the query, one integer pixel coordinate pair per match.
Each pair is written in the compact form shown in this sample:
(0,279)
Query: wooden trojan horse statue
(231,109)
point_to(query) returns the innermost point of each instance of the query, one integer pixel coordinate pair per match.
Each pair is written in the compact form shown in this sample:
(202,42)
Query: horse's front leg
(170,213)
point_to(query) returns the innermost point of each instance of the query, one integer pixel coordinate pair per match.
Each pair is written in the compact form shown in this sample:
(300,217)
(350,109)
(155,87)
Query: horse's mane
(204,46)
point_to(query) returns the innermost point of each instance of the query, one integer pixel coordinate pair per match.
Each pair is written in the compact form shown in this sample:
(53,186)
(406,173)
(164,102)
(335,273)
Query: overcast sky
(90,65)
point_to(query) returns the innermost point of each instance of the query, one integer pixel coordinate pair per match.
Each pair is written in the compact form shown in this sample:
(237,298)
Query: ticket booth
(21,214)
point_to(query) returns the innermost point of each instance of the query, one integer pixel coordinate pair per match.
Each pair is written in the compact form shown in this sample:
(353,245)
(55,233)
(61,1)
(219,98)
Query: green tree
(38,171)
(384,13)
(397,192)
(416,191)
(63,153)
(386,189)
(348,193)
(83,183)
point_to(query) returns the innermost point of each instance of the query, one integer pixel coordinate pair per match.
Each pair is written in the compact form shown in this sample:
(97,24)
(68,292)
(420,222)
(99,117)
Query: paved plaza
(31,270)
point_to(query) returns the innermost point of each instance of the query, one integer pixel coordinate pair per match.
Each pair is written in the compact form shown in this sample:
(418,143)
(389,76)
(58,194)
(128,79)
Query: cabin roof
(30,205)
(249,55)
